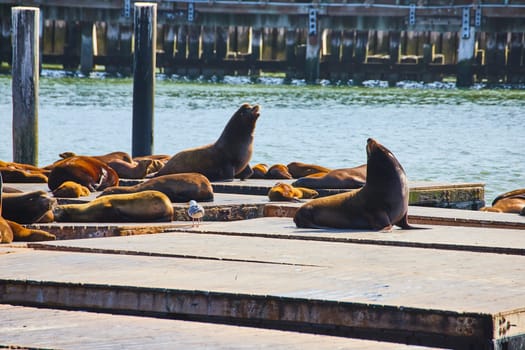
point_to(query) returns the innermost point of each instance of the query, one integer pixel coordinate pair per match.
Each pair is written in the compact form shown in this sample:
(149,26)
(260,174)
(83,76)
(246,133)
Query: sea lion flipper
(245,173)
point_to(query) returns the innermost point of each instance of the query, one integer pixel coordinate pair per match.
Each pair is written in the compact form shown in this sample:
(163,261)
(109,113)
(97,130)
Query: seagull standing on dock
(196,212)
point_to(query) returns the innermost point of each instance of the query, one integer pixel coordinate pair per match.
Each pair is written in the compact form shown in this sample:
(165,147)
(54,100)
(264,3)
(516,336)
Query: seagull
(196,212)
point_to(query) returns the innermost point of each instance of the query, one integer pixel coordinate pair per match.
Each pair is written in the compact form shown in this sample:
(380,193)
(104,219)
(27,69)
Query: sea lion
(178,187)
(6,233)
(71,189)
(379,204)
(135,169)
(12,231)
(278,171)
(298,169)
(259,171)
(146,206)
(345,178)
(227,157)
(87,171)
(28,207)
(285,192)
(508,202)
(22,176)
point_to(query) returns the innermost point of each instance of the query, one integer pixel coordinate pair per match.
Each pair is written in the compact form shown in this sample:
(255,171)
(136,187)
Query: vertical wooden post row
(25,80)
(145,21)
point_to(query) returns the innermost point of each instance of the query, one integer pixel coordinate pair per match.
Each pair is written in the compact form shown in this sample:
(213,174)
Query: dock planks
(417,295)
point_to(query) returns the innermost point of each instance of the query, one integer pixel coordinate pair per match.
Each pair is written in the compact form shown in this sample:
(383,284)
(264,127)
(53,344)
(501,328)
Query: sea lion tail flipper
(403,223)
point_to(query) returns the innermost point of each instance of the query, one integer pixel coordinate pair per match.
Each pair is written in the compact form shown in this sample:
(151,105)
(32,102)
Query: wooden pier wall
(385,39)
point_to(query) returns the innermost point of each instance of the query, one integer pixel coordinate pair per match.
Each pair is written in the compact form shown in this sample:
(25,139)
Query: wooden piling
(145,19)
(256,48)
(465,76)
(313,48)
(25,83)
(168,46)
(86,49)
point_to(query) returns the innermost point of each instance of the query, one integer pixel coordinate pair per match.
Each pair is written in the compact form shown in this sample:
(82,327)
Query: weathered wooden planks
(424,296)
(24,327)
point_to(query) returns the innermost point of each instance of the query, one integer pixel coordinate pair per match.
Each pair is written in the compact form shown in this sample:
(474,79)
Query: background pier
(384,39)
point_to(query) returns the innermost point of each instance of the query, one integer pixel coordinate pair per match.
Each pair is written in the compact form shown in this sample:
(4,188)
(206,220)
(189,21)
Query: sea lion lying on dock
(381,203)
(278,171)
(285,192)
(28,207)
(87,171)
(22,173)
(225,159)
(299,169)
(345,178)
(178,187)
(10,230)
(71,189)
(146,206)
(508,202)
(259,171)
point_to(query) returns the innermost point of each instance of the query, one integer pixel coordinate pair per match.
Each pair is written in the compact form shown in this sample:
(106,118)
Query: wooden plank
(23,327)
(435,237)
(382,293)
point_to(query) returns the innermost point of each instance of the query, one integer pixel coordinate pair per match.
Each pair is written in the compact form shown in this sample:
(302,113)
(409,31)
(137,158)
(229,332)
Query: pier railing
(391,40)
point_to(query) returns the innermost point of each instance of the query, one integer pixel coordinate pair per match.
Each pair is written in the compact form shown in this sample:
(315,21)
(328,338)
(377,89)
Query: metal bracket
(465,23)
(127,8)
(312,21)
(412,14)
(191,11)
(477,18)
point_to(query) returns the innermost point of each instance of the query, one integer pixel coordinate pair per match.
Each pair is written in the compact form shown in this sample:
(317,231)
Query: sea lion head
(382,164)
(244,119)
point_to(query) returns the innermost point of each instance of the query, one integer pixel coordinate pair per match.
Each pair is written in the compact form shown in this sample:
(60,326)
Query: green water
(437,132)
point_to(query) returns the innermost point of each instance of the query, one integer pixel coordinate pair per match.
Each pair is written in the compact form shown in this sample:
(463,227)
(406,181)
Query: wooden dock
(457,282)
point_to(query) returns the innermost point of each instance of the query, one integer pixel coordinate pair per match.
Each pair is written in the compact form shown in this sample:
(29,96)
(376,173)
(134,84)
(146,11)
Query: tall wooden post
(313,48)
(25,63)
(86,48)
(145,20)
(465,75)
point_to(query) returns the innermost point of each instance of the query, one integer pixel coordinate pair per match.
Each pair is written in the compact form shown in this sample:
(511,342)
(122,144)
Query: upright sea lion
(28,207)
(278,171)
(298,169)
(379,204)
(508,202)
(285,192)
(227,157)
(178,187)
(147,206)
(87,171)
(335,179)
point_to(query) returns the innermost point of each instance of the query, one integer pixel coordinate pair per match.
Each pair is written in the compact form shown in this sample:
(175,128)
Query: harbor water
(438,132)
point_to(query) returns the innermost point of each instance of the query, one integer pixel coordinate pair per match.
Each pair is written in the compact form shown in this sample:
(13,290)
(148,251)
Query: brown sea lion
(106,158)
(135,169)
(71,189)
(178,187)
(146,206)
(6,233)
(28,207)
(508,202)
(298,169)
(227,157)
(379,204)
(24,234)
(22,176)
(259,171)
(335,179)
(87,171)
(278,171)
(285,192)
